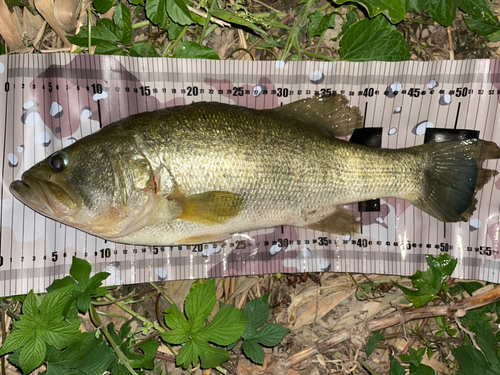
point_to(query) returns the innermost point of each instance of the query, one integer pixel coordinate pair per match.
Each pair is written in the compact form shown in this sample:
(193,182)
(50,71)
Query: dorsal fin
(330,112)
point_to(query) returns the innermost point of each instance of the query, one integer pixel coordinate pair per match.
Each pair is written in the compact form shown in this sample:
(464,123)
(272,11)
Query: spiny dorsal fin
(331,113)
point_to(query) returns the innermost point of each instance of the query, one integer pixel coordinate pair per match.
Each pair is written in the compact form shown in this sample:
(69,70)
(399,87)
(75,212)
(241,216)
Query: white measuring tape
(49,101)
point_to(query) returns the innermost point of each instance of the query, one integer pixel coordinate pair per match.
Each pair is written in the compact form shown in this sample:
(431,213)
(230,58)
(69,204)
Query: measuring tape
(50,101)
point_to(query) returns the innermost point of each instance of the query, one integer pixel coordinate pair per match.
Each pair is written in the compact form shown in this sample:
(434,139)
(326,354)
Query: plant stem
(118,351)
(134,314)
(89,15)
(317,56)
(4,336)
(140,24)
(170,47)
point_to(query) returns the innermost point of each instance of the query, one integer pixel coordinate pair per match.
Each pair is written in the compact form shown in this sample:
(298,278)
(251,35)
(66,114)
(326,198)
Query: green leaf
(211,356)
(396,368)
(143,49)
(15,340)
(482,26)
(80,268)
(61,283)
(156,11)
(443,11)
(227,16)
(430,282)
(109,48)
(188,355)
(149,348)
(254,351)
(257,312)
(102,6)
(271,334)
(373,39)
(32,354)
(192,50)
(174,30)
(123,20)
(477,8)
(199,304)
(421,370)
(226,326)
(136,2)
(61,334)
(319,23)
(178,12)
(413,357)
(180,328)
(55,302)
(372,342)
(394,10)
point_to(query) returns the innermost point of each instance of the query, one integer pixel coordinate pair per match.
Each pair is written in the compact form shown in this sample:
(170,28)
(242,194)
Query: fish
(205,171)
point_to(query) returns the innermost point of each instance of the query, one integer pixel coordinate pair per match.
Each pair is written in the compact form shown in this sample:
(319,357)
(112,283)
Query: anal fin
(208,238)
(342,222)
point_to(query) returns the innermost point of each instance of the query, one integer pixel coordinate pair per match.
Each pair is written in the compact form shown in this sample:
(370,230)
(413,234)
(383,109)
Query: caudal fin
(453,177)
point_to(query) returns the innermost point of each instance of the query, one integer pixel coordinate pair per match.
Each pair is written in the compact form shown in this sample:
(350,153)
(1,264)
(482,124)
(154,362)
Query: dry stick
(459,309)
(271,30)
(450,41)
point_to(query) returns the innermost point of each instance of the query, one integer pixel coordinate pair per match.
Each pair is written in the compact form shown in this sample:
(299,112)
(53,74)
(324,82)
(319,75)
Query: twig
(450,41)
(469,333)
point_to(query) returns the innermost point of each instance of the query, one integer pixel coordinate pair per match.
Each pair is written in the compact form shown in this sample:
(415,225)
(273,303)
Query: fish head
(74,185)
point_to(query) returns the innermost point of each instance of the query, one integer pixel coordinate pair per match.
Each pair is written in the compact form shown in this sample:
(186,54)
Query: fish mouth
(49,198)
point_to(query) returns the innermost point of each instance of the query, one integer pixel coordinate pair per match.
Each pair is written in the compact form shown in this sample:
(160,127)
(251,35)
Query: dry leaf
(10,28)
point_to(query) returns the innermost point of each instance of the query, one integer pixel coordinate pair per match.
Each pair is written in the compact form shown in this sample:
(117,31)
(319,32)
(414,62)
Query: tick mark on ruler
(456,119)
(99,113)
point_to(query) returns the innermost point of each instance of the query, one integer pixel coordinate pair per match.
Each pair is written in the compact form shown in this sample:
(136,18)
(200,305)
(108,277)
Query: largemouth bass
(201,172)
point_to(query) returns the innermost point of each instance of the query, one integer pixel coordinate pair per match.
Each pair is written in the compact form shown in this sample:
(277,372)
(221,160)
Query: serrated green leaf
(149,348)
(136,2)
(257,312)
(61,283)
(178,11)
(254,351)
(444,12)
(413,357)
(188,355)
(98,360)
(122,19)
(96,280)
(102,6)
(143,49)
(83,302)
(319,23)
(211,356)
(227,16)
(30,304)
(174,30)
(80,268)
(225,328)
(32,354)
(15,340)
(271,334)
(55,302)
(373,39)
(192,50)
(396,368)
(180,328)
(61,334)
(156,11)
(394,10)
(200,302)
(372,342)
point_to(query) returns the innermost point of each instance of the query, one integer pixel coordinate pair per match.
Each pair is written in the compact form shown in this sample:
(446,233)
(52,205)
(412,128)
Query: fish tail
(453,176)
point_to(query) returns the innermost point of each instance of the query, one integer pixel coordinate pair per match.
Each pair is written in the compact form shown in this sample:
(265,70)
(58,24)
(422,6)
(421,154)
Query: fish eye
(58,161)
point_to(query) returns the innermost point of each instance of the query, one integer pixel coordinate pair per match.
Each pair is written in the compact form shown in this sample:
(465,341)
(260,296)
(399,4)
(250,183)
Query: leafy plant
(429,283)
(194,335)
(258,333)
(41,324)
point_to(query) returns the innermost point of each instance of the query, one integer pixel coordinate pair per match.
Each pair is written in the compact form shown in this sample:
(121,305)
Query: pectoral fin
(213,207)
(342,221)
